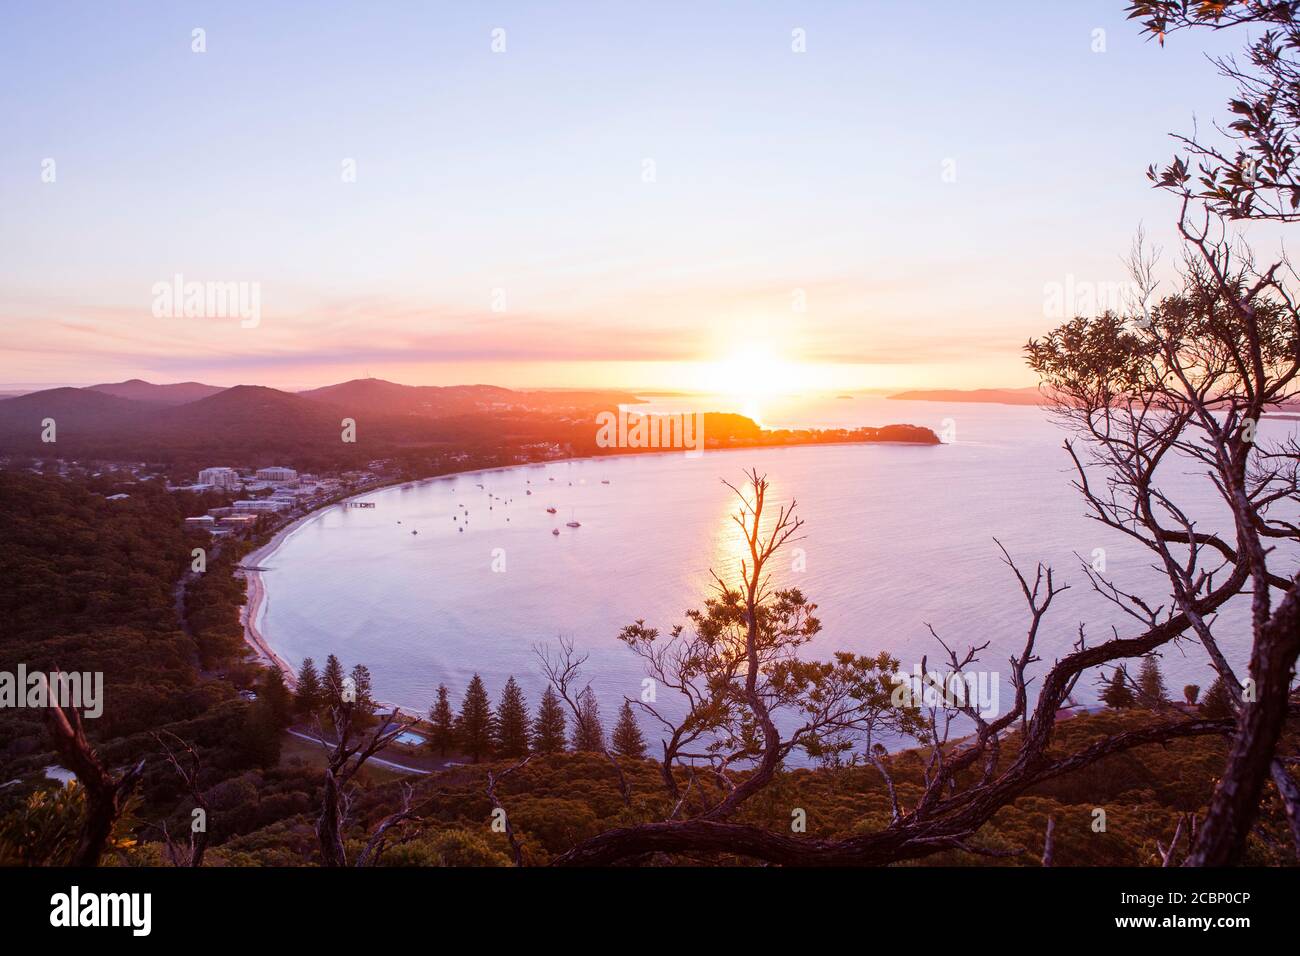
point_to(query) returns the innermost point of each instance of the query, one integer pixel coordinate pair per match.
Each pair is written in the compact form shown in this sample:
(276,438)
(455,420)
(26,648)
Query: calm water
(896,537)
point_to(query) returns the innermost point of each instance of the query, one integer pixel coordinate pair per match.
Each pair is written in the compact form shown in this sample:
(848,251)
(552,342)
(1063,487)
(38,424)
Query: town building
(262,504)
(226,478)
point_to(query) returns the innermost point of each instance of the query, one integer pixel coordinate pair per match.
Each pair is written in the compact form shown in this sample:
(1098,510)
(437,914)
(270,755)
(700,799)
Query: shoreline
(256,597)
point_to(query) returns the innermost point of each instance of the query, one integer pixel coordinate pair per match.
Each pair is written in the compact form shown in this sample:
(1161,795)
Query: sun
(754,371)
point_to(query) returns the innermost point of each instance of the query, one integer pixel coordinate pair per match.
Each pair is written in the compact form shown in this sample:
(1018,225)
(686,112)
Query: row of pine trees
(1148,691)
(326,689)
(477,730)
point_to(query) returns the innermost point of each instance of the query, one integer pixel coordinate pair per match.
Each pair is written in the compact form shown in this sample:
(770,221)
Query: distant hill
(993,396)
(390,398)
(445,401)
(142,391)
(251,414)
(247,423)
(79,415)
(255,425)
(252,425)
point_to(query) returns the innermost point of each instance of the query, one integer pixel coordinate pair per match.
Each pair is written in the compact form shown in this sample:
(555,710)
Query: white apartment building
(226,478)
(277,473)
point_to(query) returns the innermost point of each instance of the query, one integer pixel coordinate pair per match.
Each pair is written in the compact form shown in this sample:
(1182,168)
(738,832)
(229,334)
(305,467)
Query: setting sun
(752,372)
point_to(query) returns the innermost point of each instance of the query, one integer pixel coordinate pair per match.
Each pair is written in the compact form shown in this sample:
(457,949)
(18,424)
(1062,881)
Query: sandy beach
(257,594)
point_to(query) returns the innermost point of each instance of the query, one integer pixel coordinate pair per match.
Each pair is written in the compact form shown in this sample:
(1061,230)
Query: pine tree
(1151,683)
(512,724)
(365,702)
(588,732)
(278,699)
(1117,694)
(443,737)
(627,739)
(332,682)
(1217,702)
(474,722)
(549,728)
(308,698)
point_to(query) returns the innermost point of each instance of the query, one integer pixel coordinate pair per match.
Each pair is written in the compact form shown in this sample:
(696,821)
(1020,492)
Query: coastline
(256,595)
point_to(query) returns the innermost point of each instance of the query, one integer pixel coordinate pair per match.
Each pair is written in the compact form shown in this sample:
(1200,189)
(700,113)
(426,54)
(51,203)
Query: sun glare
(750,373)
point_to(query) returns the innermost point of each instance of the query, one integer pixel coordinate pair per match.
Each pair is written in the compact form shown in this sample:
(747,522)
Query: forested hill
(88,584)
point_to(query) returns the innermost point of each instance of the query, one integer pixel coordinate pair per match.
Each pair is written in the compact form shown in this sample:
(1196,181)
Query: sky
(604,194)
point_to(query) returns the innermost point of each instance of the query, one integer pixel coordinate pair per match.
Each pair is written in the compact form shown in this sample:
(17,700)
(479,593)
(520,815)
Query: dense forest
(90,584)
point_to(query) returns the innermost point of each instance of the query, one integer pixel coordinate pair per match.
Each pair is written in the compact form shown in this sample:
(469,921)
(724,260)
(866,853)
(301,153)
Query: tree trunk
(1235,803)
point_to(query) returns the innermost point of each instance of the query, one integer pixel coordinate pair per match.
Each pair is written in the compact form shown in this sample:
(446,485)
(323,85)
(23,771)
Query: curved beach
(256,597)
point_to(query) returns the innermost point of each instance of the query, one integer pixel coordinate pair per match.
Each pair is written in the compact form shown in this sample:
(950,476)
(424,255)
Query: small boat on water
(555,531)
(604,481)
(573,523)
(528,492)
(550,511)
(415,532)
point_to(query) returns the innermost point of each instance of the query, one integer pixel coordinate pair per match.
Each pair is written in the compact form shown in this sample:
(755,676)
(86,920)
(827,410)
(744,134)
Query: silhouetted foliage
(1217,702)
(1116,693)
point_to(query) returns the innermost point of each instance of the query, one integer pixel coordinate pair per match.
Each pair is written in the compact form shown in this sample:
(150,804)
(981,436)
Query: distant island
(991,396)
(724,430)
